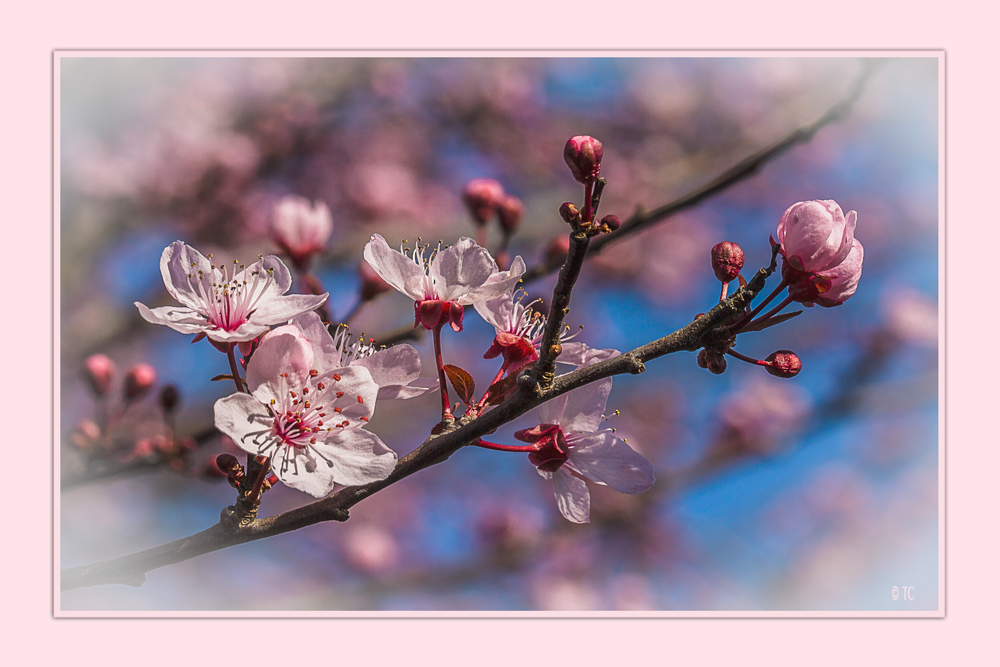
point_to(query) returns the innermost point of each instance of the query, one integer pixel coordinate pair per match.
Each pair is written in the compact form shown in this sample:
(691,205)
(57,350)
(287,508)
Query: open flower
(568,444)
(396,369)
(301,229)
(227,307)
(821,258)
(310,423)
(519,331)
(442,283)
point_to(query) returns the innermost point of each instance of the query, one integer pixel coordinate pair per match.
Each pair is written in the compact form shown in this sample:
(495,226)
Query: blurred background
(815,493)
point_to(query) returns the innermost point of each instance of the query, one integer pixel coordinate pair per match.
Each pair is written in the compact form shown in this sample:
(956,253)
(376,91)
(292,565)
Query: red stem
(725,290)
(482,401)
(743,357)
(753,313)
(777,309)
(588,195)
(442,378)
(527,449)
(235,369)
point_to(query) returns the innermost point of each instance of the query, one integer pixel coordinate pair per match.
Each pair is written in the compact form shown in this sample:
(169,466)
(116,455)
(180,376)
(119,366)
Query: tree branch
(131,570)
(747,167)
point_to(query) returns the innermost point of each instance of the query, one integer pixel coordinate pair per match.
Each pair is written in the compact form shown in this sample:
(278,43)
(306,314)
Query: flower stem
(774,311)
(485,444)
(235,369)
(445,403)
(725,291)
(588,196)
(742,357)
(486,394)
(753,313)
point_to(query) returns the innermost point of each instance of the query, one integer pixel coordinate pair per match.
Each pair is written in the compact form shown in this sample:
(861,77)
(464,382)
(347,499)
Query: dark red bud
(170,397)
(583,156)
(713,361)
(783,364)
(99,371)
(610,223)
(138,381)
(226,462)
(483,197)
(727,261)
(569,212)
(511,210)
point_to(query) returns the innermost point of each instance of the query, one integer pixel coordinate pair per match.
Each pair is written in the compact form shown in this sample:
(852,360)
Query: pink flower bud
(727,261)
(511,210)
(783,364)
(610,223)
(432,313)
(556,250)
(583,156)
(828,288)
(99,371)
(138,381)
(483,196)
(301,229)
(371,283)
(569,212)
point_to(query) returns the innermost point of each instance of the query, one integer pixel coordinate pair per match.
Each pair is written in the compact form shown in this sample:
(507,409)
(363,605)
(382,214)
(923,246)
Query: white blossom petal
(280,352)
(355,456)
(572,496)
(608,460)
(395,268)
(180,266)
(584,410)
(458,269)
(280,309)
(580,354)
(178,318)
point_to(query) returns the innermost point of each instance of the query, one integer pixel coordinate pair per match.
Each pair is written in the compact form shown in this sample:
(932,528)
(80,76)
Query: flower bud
(713,361)
(610,223)
(300,228)
(569,212)
(727,261)
(511,210)
(170,398)
(226,462)
(138,381)
(371,283)
(99,371)
(783,364)
(483,197)
(556,250)
(583,156)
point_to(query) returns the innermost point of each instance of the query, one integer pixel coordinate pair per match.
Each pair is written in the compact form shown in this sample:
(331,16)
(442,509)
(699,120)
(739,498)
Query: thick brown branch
(130,570)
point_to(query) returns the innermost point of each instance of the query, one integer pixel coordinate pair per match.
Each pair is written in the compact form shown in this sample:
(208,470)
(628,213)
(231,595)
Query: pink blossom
(569,445)
(138,381)
(301,229)
(519,331)
(307,415)
(396,369)
(228,307)
(442,283)
(822,259)
(99,371)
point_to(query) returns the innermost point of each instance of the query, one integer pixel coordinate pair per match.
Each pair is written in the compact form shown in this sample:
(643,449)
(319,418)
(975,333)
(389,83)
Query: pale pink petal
(580,354)
(585,407)
(356,402)
(844,278)
(414,388)
(395,268)
(244,332)
(183,268)
(394,366)
(607,460)
(245,419)
(280,309)
(304,469)
(282,351)
(572,496)
(460,268)
(354,456)
(499,312)
(551,411)
(493,289)
(178,318)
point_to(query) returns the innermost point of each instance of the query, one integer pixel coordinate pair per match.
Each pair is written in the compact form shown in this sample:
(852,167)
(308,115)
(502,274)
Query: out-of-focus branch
(742,170)
(131,570)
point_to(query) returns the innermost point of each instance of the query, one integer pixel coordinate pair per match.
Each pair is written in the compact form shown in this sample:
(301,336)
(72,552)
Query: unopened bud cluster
(485,199)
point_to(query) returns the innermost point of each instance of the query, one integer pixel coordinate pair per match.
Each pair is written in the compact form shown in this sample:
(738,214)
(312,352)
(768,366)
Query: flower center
(351,350)
(228,296)
(551,448)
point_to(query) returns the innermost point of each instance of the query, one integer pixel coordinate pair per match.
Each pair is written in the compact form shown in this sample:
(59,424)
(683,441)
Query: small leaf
(498,390)
(770,322)
(222,377)
(463,383)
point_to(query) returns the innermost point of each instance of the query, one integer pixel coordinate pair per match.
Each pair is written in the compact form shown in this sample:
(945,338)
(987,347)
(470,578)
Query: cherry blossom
(227,305)
(821,258)
(396,369)
(442,282)
(309,422)
(569,445)
(301,229)
(519,331)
